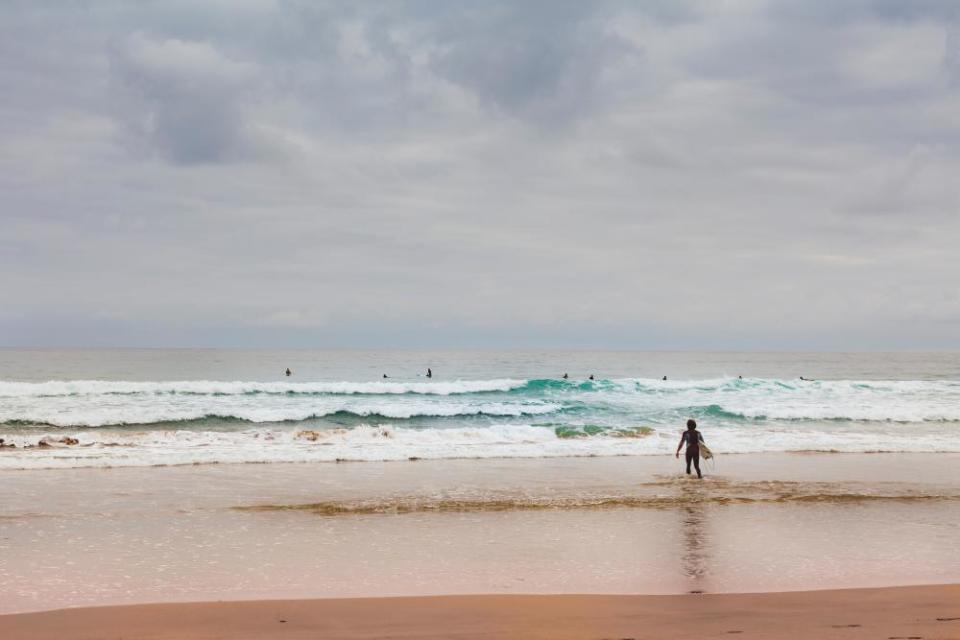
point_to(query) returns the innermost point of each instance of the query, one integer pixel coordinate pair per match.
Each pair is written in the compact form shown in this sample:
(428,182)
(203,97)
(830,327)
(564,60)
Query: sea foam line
(388,443)
(51,388)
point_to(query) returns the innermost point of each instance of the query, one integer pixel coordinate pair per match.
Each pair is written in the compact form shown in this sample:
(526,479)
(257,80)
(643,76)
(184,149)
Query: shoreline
(888,612)
(454,459)
(767,523)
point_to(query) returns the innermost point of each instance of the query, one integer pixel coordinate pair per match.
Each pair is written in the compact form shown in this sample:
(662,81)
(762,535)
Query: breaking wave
(199,422)
(55,388)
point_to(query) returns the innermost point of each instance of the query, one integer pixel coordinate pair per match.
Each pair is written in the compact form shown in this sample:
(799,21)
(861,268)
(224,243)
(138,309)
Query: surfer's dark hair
(691,424)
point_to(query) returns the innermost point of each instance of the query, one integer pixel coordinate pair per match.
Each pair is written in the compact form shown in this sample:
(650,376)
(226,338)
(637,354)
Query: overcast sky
(658,174)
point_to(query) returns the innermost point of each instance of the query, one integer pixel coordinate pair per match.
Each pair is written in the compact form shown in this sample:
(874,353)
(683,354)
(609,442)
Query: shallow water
(761,522)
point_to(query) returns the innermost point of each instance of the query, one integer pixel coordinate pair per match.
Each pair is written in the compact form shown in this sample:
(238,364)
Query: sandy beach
(311,551)
(470,514)
(758,523)
(525,320)
(892,613)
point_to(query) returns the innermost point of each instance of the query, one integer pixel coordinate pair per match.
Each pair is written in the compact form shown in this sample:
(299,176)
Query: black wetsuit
(693,449)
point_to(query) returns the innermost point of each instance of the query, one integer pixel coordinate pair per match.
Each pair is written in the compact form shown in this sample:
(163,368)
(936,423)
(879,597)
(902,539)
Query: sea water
(133,407)
(497,474)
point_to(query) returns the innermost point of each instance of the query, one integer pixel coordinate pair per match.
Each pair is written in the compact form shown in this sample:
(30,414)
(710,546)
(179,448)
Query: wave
(55,388)
(721,400)
(824,413)
(165,417)
(394,442)
(210,421)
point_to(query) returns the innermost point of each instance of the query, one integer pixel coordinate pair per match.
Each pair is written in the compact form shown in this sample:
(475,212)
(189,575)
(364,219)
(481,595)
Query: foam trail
(95,415)
(185,422)
(381,442)
(212,387)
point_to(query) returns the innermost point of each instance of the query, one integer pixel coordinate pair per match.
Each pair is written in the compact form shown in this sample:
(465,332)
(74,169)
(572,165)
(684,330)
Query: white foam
(385,442)
(854,400)
(738,416)
(212,387)
(97,412)
(93,402)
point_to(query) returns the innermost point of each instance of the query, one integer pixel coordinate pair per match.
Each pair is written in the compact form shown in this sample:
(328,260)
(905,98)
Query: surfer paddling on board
(692,438)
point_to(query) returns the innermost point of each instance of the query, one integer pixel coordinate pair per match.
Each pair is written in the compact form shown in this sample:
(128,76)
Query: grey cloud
(191,98)
(591,174)
(951,54)
(544,60)
(834,14)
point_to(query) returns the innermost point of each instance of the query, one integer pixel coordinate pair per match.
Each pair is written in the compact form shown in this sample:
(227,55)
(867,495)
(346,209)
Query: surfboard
(705,452)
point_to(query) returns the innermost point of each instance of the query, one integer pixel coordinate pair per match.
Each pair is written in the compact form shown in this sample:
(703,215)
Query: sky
(655,175)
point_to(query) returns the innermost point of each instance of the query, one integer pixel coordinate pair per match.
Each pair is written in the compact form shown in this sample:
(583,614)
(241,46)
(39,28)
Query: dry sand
(926,612)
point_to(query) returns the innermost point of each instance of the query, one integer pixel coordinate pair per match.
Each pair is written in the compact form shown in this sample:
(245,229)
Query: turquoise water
(151,407)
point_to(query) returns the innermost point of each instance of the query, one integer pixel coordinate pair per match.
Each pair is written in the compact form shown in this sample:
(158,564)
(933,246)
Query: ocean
(157,407)
(496,475)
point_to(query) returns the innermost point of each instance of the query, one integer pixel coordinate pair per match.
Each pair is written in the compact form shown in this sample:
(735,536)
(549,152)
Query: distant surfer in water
(692,438)
(664,378)
(591,376)
(385,376)
(289,372)
(566,376)
(429,373)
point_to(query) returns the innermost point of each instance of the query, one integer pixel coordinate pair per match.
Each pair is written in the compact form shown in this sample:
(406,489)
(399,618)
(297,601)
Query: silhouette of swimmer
(565,376)
(289,372)
(385,376)
(692,438)
(591,376)
(429,373)
(664,378)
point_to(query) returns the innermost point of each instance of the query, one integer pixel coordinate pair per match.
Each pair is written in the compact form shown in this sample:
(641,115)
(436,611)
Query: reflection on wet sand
(695,559)
(663,492)
(590,525)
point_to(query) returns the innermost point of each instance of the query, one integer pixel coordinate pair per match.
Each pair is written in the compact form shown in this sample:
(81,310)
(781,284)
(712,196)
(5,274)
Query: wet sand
(757,523)
(893,613)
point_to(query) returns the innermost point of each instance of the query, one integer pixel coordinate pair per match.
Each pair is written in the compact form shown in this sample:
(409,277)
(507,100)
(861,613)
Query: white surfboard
(705,452)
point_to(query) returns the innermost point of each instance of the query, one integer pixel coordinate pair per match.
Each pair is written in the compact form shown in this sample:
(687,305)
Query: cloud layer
(614,174)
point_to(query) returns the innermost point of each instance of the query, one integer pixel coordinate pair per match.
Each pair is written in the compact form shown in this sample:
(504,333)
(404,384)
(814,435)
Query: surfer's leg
(689,459)
(696,463)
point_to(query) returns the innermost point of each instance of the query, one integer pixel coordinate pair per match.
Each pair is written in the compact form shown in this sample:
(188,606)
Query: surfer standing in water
(692,438)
